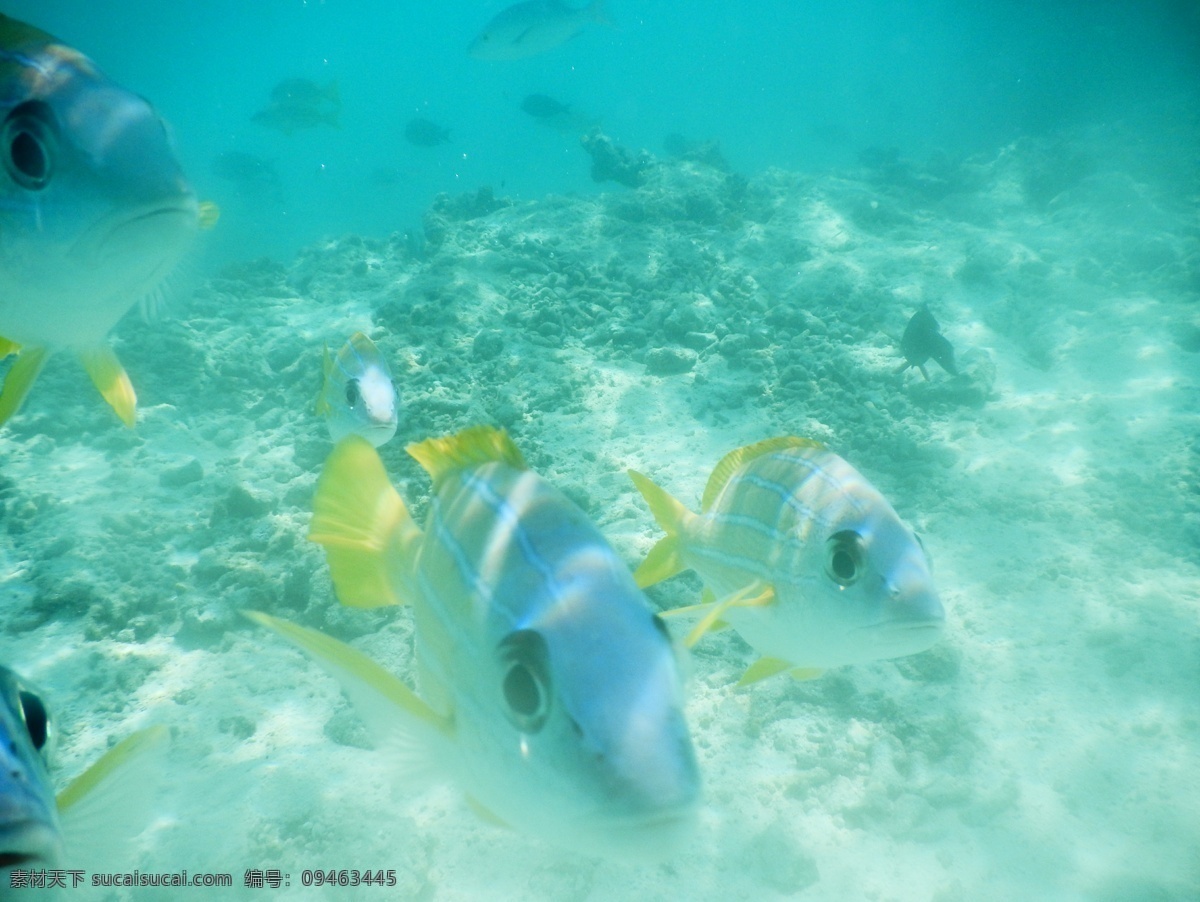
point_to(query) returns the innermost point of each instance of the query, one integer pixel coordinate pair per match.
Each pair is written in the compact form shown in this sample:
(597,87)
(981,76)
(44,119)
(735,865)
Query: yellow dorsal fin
(369,536)
(362,345)
(7,347)
(665,558)
(724,470)
(110,378)
(761,670)
(470,448)
(20,379)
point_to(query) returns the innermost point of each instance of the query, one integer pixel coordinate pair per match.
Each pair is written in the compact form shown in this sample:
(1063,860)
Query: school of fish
(550,691)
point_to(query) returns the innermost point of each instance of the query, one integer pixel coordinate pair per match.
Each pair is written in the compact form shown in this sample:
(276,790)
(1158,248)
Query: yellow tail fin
(20,379)
(664,559)
(110,378)
(369,536)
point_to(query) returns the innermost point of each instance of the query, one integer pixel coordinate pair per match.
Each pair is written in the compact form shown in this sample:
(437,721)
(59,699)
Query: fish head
(568,704)
(591,705)
(94,208)
(30,836)
(358,395)
(877,593)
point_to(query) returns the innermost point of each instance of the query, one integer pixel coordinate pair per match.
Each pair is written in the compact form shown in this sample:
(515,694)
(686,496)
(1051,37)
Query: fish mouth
(907,637)
(128,234)
(28,842)
(651,836)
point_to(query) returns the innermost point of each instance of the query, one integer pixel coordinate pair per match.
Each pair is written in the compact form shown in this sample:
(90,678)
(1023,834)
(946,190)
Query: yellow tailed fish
(357,395)
(550,694)
(89,820)
(94,211)
(802,556)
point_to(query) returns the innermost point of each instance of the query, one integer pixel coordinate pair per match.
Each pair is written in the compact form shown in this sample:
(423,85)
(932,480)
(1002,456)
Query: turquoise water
(1031,173)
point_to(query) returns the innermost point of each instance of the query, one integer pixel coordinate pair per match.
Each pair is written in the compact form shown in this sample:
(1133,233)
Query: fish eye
(844,557)
(37,721)
(526,683)
(353,395)
(27,145)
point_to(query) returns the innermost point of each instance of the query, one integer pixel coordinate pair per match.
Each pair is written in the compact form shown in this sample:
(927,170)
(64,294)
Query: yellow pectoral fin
(111,764)
(8,347)
(20,379)
(369,536)
(753,595)
(207,214)
(110,378)
(399,720)
(485,814)
(105,808)
(805,673)
(762,669)
(661,563)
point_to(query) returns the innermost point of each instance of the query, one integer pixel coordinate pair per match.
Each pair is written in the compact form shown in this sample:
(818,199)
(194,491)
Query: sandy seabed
(1047,748)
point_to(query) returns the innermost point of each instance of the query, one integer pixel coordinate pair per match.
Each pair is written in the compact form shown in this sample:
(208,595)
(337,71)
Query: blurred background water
(804,86)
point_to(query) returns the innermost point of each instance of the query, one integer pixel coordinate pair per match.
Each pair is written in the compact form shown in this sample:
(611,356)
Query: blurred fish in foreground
(103,808)
(358,396)
(533,27)
(94,211)
(550,693)
(802,556)
(297,103)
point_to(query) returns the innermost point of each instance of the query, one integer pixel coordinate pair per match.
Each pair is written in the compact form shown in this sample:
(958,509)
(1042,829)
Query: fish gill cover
(1053,481)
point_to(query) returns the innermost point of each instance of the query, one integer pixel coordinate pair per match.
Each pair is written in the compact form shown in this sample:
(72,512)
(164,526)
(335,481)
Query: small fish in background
(922,340)
(297,103)
(252,174)
(533,27)
(94,817)
(357,395)
(550,693)
(547,111)
(802,556)
(95,212)
(425,133)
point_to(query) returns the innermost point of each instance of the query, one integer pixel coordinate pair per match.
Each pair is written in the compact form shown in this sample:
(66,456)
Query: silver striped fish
(550,693)
(357,393)
(802,556)
(94,211)
(92,819)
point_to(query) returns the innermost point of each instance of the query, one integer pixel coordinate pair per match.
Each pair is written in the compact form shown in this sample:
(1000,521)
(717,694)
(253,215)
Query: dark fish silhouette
(425,133)
(299,103)
(922,340)
(539,106)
